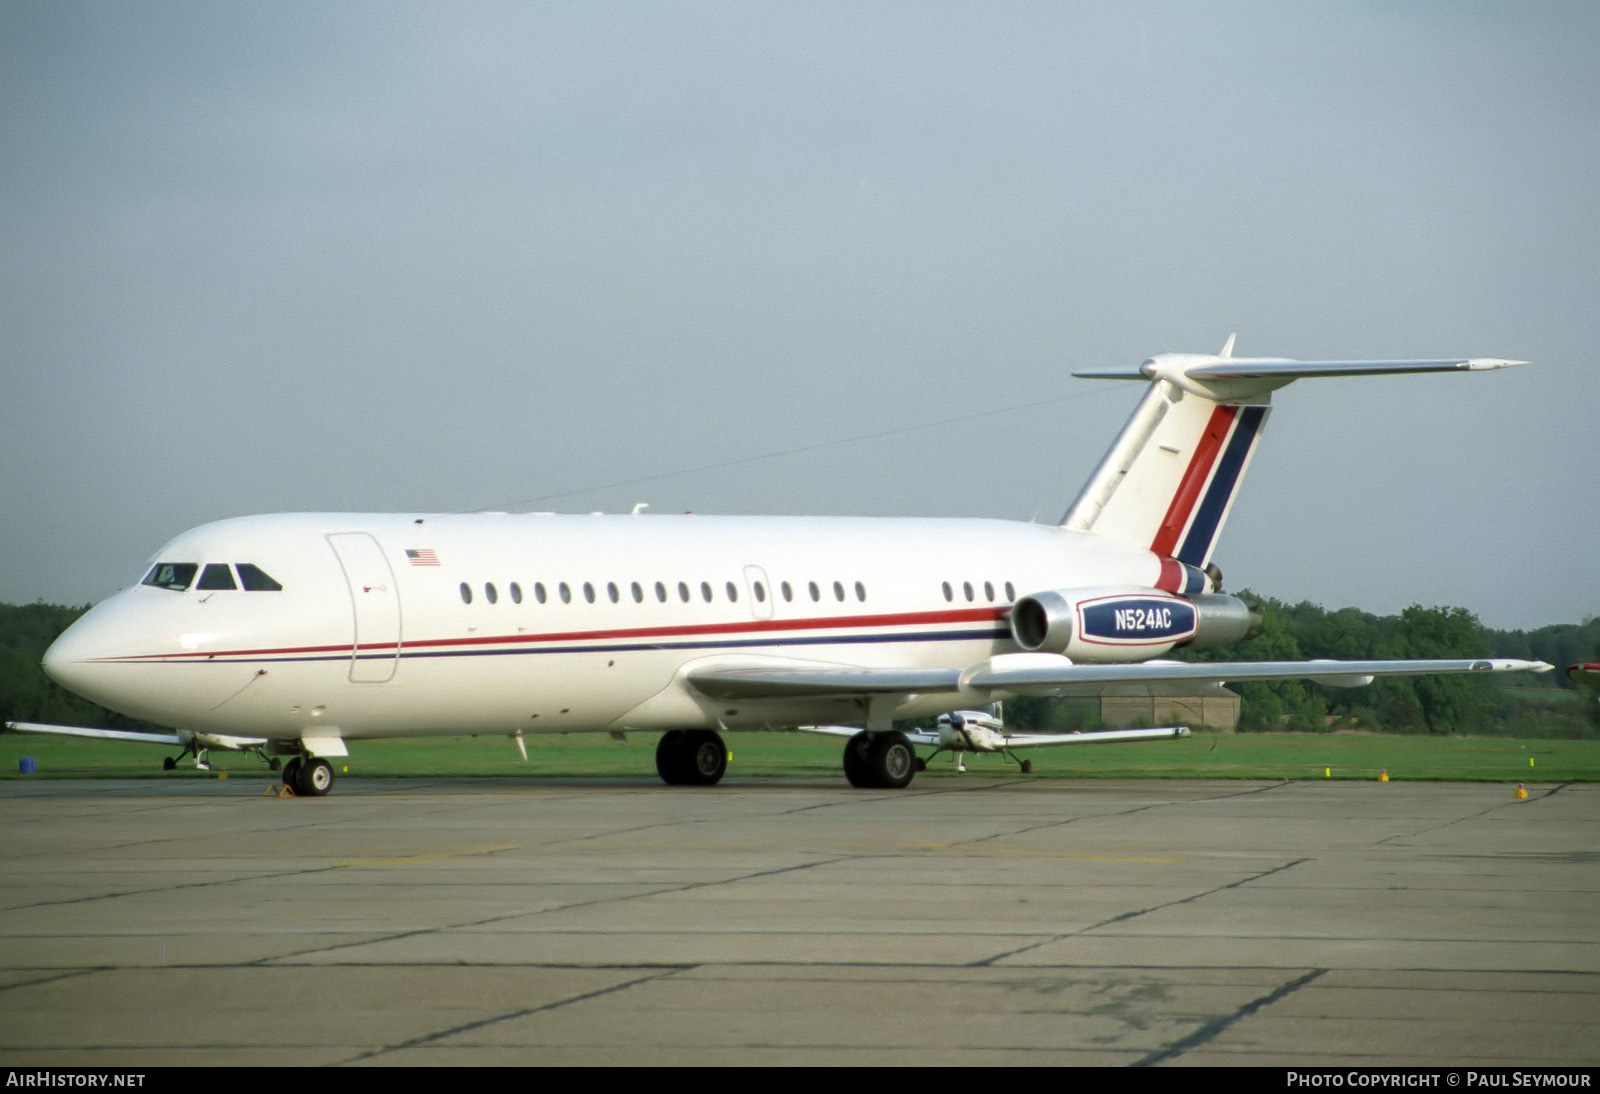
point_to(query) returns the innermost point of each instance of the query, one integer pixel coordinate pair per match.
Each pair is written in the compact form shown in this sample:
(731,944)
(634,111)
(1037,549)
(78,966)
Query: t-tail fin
(1169,479)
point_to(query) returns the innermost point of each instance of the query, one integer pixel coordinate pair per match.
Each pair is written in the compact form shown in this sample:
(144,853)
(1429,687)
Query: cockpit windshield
(255,580)
(171,575)
(178,576)
(216,575)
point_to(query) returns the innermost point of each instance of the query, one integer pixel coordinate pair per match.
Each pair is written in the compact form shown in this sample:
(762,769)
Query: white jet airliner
(291,635)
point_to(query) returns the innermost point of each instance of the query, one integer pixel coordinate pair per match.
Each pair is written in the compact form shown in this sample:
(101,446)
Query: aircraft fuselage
(396,625)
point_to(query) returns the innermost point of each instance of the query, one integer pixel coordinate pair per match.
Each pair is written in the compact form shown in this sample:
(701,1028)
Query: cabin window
(566,593)
(733,592)
(861,592)
(949,594)
(255,580)
(816,594)
(588,591)
(172,575)
(489,593)
(466,593)
(760,591)
(966,587)
(838,591)
(538,591)
(705,590)
(988,591)
(683,591)
(516,593)
(788,592)
(216,575)
(661,592)
(1011,594)
(638,593)
(611,591)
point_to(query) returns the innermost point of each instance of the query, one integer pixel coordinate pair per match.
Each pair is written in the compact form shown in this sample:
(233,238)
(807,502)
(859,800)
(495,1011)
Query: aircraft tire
(314,779)
(1027,767)
(169,764)
(705,757)
(857,769)
(892,760)
(291,774)
(668,754)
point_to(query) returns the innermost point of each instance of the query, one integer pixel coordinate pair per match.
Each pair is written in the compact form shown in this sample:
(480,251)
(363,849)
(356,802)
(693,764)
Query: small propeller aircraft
(963,731)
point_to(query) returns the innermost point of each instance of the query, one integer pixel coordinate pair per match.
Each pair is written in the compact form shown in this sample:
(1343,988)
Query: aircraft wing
(915,736)
(1099,736)
(1024,740)
(1037,678)
(197,740)
(98,734)
(1050,674)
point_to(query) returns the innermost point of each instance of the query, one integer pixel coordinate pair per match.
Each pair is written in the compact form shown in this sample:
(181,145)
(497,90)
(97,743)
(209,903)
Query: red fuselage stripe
(752,626)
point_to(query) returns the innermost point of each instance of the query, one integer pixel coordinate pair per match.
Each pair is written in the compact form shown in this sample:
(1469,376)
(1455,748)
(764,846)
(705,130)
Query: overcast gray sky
(455,256)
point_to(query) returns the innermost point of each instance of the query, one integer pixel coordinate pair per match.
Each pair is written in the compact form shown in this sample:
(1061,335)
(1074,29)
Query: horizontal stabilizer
(98,734)
(1280,368)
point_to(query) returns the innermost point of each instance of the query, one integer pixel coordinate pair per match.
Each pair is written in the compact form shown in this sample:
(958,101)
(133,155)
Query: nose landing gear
(308,776)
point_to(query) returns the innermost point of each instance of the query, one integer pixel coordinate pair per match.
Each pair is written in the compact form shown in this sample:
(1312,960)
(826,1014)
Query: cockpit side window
(255,580)
(171,575)
(216,575)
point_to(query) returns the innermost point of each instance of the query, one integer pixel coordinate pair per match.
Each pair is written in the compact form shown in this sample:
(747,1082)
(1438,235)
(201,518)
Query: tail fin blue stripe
(1208,519)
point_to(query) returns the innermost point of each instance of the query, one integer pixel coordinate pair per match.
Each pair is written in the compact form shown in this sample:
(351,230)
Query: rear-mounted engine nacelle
(1126,624)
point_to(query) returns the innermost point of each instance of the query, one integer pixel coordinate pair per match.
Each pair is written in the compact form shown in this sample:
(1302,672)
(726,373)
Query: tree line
(1518,705)
(1513,705)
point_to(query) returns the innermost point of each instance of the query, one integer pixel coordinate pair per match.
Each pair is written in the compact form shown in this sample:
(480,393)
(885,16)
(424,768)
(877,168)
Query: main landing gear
(308,776)
(691,757)
(879,761)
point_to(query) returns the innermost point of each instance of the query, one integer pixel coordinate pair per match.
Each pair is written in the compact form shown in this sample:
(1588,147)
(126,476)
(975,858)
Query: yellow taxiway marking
(433,856)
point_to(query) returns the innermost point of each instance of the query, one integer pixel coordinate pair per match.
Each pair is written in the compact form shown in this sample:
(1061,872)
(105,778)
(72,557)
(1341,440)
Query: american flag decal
(423,557)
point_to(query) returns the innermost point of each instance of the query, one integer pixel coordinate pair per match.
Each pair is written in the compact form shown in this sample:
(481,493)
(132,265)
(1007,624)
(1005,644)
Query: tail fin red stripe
(1194,480)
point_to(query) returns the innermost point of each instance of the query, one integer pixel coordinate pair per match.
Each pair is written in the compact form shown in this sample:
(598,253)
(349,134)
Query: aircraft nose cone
(131,653)
(70,660)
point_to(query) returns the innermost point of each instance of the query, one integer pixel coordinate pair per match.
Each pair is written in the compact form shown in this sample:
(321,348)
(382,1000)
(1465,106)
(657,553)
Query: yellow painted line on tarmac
(434,856)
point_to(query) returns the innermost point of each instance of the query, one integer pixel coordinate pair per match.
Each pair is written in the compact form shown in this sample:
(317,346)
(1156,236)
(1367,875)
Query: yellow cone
(1522,792)
(1383,776)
